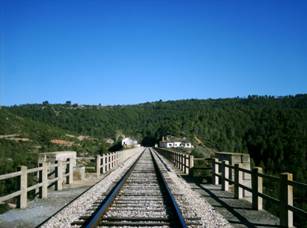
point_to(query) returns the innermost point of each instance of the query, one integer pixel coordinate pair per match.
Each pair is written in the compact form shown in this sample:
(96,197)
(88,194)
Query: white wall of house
(175,145)
(187,145)
(165,144)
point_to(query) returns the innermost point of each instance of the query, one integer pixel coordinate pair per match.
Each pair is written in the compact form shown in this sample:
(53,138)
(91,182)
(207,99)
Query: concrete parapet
(244,161)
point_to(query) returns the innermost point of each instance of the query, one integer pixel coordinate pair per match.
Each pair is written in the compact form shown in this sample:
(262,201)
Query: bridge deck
(238,212)
(39,210)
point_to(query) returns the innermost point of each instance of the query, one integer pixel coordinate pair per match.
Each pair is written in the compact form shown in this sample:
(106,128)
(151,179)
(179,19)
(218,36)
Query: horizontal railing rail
(55,174)
(297,184)
(220,175)
(34,170)
(184,162)
(46,173)
(108,161)
(9,175)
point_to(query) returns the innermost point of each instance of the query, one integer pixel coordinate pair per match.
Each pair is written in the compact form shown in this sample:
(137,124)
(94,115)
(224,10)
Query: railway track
(141,198)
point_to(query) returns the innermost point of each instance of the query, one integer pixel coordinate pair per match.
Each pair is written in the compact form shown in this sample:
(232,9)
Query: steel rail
(73,200)
(179,217)
(94,219)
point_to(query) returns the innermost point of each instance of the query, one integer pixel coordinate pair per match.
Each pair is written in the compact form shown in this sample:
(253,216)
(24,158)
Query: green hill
(272,129)
(22,139)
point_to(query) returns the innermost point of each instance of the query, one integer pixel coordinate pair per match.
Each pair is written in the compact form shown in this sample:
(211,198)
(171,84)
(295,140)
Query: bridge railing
(47,175)
(220,175)
(55,174)
(184,162)
(106,162)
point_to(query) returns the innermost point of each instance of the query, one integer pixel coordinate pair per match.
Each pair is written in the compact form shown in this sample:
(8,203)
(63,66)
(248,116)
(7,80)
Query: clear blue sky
(124,52)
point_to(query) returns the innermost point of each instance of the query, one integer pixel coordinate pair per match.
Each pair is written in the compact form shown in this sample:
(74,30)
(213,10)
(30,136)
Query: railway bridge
(145,187)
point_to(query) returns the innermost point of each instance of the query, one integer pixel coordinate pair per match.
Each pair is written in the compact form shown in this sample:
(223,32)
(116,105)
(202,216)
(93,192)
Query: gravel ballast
(190,202)
(78,207)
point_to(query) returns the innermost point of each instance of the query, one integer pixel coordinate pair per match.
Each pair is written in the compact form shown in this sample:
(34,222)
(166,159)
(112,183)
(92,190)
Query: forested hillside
(22,139)
(273,130)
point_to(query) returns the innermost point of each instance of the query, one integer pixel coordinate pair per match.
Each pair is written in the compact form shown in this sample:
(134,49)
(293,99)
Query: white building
(172,142)
(128,142)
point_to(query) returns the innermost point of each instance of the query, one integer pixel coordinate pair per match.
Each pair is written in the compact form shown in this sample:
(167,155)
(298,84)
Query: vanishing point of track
(141,198)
